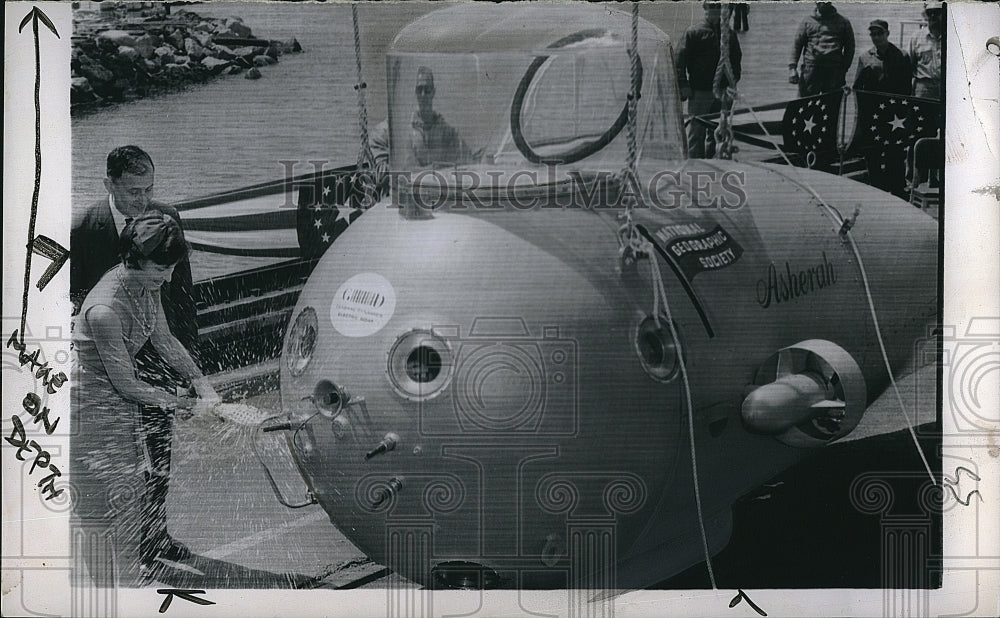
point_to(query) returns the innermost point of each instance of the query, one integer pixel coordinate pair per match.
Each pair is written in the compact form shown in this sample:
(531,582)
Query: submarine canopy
(533,89)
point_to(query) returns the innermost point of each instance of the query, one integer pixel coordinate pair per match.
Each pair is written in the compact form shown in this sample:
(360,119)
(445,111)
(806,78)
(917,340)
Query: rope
(632,245)
(842,134)
(660,293)
(629,240)
(726,94)
(633,98)
(365,158)
(885,357)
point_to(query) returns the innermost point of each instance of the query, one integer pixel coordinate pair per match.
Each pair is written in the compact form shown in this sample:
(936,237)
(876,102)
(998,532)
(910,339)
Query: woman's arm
(106,330)
(172,351)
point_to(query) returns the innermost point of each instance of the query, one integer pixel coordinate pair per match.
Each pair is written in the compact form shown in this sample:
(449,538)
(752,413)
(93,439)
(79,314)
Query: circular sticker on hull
(362,305)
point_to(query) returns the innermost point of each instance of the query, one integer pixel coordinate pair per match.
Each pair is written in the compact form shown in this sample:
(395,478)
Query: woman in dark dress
(108,459)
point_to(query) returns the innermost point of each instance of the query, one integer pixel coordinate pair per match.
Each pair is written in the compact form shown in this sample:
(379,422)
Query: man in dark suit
(94,247)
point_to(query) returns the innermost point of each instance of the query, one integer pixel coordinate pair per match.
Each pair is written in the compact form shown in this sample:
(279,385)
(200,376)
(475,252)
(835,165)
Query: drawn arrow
(41,245)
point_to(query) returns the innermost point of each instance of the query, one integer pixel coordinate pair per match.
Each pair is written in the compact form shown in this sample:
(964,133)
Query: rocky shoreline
(125,59)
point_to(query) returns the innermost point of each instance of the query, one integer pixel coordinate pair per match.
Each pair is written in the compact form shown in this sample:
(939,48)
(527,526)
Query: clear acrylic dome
(539,89)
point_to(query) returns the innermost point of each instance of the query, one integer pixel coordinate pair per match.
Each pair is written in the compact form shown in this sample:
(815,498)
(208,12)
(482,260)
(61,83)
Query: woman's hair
(152,236)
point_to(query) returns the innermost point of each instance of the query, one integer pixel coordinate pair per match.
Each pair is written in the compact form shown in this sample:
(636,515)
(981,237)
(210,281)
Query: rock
(95,73)
(205,38)
(80,91)
(221,51)
(165,54)
(176,71)
(118,37)
(214,65)
(146,45)
(176,39)
(130,53)
(194,49)
(247,53)
(132,61)
(88,46)
(236,26)
(107,47)
(291,46)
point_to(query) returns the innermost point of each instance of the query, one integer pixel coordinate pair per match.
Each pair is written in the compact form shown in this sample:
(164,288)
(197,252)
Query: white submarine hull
(484,399)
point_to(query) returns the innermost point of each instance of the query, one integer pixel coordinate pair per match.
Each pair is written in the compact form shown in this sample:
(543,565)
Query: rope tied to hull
(630,242)
(843,227)
(633,245)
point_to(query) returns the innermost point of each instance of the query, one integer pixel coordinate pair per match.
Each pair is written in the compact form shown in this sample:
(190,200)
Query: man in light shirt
(924,53)
(433,142)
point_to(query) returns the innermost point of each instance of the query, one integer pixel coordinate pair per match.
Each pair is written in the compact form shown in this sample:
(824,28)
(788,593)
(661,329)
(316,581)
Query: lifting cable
(660,293)
(727,93)
(632,245)
(365,157)
(629,239)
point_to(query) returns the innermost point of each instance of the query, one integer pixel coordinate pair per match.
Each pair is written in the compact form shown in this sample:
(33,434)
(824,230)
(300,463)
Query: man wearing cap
(697,59)
(883,68)
(924,53)
(825,45)
(94,244)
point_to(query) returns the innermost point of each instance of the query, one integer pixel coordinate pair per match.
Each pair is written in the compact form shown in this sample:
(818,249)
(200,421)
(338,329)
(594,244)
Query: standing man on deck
(825,45)
(697,59)
(883,68)
(924,52)
(94,243)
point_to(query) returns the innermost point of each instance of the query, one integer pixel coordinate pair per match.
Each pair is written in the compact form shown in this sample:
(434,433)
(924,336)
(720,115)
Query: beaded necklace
(147,318)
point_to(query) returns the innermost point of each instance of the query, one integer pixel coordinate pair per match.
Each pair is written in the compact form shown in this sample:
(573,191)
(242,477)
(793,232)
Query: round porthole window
(420,364)
(301,341)
(657,349)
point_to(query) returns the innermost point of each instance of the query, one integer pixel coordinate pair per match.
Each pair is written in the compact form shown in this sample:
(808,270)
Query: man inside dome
(432,141)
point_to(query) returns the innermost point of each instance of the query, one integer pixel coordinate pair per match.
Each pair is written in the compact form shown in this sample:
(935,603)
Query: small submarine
(556,358)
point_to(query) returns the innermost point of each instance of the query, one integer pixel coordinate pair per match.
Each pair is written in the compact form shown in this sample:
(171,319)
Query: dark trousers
(887,170)
(157,427)
(819,79)
(740,21)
